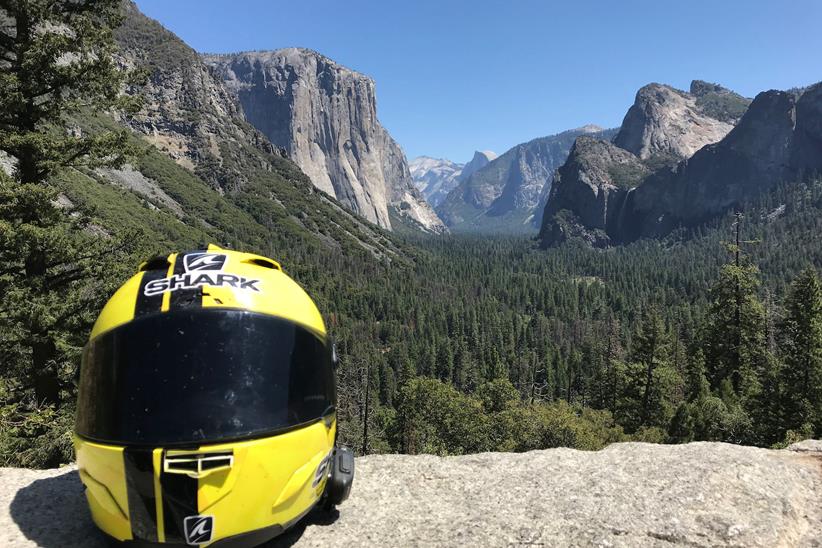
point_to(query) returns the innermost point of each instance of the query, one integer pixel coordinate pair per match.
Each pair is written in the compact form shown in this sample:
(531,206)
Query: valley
(656,281)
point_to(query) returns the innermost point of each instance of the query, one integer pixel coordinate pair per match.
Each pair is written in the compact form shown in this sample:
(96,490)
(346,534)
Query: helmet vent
(155,263)
(263,263)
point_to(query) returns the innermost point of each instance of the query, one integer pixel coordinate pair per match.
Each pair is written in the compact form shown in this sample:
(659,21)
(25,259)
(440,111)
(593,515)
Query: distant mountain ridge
(324,116)
(480,159)
(436,177)
(506,195)
(606,194)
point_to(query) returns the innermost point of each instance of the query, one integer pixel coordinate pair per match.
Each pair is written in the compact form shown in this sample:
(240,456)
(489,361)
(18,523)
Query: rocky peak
(701,88)
(778,140)
(186,111)
(589,128)
(719,102)
(325,116)
(668,124)
(480,160)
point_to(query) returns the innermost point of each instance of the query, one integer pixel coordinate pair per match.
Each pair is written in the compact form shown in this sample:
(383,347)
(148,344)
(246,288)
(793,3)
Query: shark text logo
(201,269)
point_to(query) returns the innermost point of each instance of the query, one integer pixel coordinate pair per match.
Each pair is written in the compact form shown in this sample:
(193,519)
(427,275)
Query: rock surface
(629,494)
(325,117)
(667,122)
(589,191)
(190,116)
(505,194)
(480,159)
(187,113)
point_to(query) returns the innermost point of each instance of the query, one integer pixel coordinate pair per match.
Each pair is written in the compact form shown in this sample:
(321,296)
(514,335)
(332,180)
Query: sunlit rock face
(325,117)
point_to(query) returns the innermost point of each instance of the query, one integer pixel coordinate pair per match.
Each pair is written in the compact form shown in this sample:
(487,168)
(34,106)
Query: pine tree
(736,348)
(445,362)
(56,60)
(801,332)
(696,385)
(646,394)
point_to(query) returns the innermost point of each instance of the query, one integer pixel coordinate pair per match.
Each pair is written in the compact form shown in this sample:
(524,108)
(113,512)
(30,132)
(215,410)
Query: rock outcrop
(719,102)
(190,116)
(186,113)
(629,494)
(504,195)
(324,116)
(669,124)
(779,139)
(589,192)
(435,177)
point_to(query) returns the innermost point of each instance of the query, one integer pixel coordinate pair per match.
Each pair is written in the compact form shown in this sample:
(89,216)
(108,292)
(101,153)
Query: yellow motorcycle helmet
(206,407)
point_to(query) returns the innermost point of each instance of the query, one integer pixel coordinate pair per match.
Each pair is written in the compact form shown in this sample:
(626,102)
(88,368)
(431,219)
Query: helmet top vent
(155,263)
(263,263)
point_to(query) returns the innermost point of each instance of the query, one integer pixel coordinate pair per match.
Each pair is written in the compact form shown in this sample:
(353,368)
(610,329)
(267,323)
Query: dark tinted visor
(200,375)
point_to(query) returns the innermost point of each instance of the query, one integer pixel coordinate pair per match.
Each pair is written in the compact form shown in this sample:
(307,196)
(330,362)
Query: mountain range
(508,193)
(324,116)
(436,177)
(681,159)
(209,175)
(291,139)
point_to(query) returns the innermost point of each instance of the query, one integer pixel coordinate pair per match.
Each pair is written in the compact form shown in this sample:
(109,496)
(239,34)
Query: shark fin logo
(198,529)
(204,261)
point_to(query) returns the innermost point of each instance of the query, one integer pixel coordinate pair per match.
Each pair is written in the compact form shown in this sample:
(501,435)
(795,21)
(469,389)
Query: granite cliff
(682,167)
(324,116)
(669,124)
(209,175)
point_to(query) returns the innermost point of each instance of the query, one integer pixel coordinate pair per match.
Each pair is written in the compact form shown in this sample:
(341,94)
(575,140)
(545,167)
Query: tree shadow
(52,513)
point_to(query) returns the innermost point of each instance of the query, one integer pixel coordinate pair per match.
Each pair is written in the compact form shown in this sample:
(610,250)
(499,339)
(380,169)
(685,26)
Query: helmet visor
(200,375)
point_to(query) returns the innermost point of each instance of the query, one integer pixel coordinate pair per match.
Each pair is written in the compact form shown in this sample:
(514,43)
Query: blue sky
(455,76)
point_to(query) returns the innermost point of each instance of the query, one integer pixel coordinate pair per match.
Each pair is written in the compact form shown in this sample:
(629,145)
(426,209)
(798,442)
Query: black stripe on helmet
(184,298)
(179,502)
(142,511)
(148,305)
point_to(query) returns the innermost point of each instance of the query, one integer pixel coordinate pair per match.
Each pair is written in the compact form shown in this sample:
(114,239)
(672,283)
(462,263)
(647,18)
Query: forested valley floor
(463,344)
(487,343)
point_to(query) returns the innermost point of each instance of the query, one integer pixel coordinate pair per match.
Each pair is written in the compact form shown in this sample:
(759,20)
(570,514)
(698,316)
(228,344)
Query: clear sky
(455,76)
